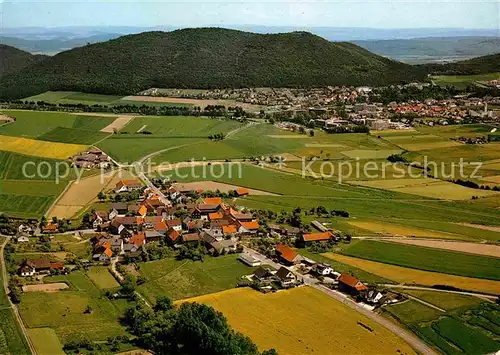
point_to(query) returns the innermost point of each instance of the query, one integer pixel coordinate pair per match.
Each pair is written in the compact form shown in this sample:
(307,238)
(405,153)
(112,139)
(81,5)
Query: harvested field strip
(495,179)
(418,277)
(269,320)
(117,124)
(370,153)
(52,287)
(464,247)
(213,186)
(417,257)
(40,148)
(480,226)
(399,230)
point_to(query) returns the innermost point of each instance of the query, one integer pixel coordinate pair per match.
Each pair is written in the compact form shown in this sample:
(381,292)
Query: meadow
(29,199)
(447,301)
(182,279)
(428,259)
(418,277)
(284,322)
(102,278)
(462,81)
(12,341)
(465,327)
(64,311)
(36,124)
(73,97)
(46,341)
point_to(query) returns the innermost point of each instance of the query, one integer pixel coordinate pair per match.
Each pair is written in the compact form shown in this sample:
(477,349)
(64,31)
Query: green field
(467,327)
(181,126)
(462,81)
(75,136)
(64,311)
(101,277)
(12,340)
(45,341)
(448,302)
(428,259)
(183,279)
(36,124)
(29,199)
(72,97)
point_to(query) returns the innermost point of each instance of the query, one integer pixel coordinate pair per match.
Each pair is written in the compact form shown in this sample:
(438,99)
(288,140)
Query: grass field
(418,277)
(29,199)
(284,321)
(74,136)
(64,311)
(72,97)
(102,278)
(182,279)
(51,150)
(428,259)
(45,341)
(411,311)
(448,301)
(36,124)
(461,81)
(181,126)
(12,340)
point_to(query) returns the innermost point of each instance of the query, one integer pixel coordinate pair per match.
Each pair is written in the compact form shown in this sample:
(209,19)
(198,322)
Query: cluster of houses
(93,158)
(130,226)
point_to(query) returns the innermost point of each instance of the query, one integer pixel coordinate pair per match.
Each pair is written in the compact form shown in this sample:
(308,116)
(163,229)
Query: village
(202,227)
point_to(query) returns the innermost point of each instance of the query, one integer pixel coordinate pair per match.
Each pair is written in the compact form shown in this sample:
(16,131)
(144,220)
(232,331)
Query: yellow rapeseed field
(418,277)
(40,148)
(302,321)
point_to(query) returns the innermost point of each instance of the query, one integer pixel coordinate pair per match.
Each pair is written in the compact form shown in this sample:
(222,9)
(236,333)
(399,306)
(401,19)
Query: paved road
(12,305)
(408,337)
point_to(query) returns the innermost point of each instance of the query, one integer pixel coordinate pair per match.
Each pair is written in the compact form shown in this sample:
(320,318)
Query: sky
(484,14)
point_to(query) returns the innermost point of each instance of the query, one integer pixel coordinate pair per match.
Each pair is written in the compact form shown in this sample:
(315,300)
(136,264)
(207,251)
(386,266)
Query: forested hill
(13,59)
(207,58)
(479,65)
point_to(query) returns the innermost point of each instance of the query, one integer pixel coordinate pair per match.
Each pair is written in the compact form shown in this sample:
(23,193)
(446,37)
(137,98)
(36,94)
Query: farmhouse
(50,228)
(351,285)
(308,239)
(261,274)
(322,269)
(127,186)
(35,266)
(287,255)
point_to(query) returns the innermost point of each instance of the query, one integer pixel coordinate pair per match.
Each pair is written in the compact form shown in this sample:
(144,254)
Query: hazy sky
(379,14)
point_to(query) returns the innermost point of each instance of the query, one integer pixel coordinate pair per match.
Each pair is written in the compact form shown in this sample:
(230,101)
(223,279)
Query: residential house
(116,244)
(322,269)
(351,285)
(127,186)
(161,227)
(190,238)
(261,274)
(23,239)
(151,221)
(132,250)
(249,260)
(50,228)
(286,277)
(175,224)
(172,236)
(99,218)
(222,246)
(153,236)
(287,255)
(137,239)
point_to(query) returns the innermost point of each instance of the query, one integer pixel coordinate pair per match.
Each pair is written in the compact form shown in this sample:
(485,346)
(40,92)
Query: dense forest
(13,59)
(207,58)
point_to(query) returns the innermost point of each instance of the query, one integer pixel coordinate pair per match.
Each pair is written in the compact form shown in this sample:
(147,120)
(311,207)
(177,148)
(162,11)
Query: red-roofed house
(351,285)
(242,191)
(174,224)
(213,200)
(307,239)
(287,255)
(172,236)
(137,239)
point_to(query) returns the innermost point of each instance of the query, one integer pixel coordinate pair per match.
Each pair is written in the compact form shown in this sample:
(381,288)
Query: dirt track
(464,247)
(54,287)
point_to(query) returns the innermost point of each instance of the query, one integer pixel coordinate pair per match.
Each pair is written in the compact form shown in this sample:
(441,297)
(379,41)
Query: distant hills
(480,65)
(207,58)
(433,49)
(13,59)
